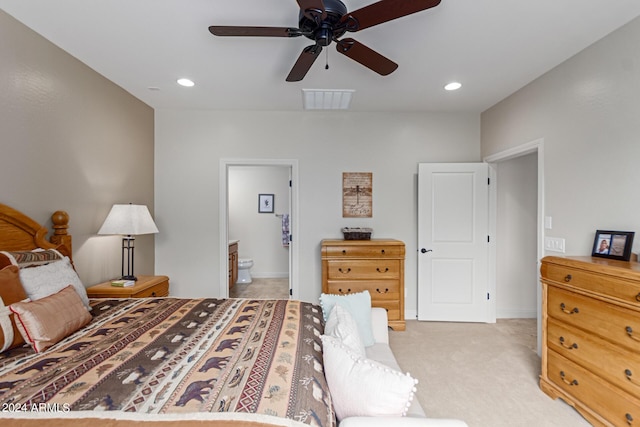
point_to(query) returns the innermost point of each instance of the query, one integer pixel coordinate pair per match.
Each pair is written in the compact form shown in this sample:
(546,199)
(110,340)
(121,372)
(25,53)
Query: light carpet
(484,374)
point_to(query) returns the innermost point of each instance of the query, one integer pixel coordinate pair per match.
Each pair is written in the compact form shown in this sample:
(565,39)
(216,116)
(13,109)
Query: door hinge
(488,239)
(488,298)
(290,292)
(291,237)
(488,181)
(289,183)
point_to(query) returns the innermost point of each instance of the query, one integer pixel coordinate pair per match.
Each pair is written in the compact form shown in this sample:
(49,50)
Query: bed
(161,361)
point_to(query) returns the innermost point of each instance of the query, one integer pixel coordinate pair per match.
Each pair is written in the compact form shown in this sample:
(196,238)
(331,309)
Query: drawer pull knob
(345,271)
(629,419)
(386,290)
(344,252)
(381,271)
(564,309)
(343,292)
(629,330)
(628,374)
(153,294)
(382,251)
(570,347)
(638,297)
(566,381)
(567,278)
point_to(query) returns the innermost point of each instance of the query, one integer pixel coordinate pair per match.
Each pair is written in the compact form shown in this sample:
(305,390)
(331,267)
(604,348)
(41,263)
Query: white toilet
(244,264)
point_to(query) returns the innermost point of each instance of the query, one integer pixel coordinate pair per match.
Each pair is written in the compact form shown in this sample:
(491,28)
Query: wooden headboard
(18,232)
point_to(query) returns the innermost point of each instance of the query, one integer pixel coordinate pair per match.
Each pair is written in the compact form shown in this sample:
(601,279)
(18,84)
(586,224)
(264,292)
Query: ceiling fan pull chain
(326,67)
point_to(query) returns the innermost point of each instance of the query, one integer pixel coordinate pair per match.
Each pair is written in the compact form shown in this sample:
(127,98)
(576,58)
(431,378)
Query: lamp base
(134,278)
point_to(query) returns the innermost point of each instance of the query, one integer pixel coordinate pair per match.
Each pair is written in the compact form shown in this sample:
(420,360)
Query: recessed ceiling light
(186,82)
(453,86)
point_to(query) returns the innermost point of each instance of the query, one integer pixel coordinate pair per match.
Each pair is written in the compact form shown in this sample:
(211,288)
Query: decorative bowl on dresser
(376,265)
(146,286)
(591,337)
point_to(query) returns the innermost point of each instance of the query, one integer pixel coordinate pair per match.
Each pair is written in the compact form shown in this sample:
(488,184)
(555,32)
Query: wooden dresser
(591,337)
(376,265)
(145,287)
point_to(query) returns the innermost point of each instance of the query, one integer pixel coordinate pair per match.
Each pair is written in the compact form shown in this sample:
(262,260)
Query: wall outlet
(554,244)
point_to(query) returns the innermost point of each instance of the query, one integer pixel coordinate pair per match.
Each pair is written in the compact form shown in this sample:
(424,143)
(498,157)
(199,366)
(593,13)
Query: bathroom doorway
(258,237)
(518,223)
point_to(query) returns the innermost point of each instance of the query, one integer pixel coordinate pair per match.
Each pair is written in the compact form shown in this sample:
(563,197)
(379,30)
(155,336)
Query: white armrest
(400,422)
(380,325)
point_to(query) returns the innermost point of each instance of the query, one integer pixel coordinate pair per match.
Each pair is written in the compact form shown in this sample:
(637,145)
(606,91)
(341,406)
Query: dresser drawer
(159,290)
(364,251)
(362,269)
(378,289)
(604,284)
(618,325)
(609,402)
(622,368)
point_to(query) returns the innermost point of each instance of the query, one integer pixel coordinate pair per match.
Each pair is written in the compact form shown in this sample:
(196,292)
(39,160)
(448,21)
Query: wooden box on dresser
(377,265)
(591,337)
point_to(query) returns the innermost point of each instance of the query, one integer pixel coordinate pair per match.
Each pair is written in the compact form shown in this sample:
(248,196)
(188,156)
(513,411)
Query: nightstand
(146,286)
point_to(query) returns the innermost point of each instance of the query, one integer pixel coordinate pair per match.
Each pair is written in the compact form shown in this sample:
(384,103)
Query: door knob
(424,251)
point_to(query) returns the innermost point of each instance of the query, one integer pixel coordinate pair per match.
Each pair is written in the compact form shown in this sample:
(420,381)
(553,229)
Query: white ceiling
(494,47)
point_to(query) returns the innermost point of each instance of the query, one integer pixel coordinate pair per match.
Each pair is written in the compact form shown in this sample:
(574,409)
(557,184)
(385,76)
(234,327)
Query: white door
(453,249)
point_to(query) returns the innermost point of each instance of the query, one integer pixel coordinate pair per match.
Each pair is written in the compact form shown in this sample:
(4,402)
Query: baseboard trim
(516,314)
(270,275)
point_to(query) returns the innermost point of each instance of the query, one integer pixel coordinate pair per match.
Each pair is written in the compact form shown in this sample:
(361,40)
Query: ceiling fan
(324,21)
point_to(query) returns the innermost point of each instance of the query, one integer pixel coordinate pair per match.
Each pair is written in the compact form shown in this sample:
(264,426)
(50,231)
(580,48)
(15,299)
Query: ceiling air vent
(327,99)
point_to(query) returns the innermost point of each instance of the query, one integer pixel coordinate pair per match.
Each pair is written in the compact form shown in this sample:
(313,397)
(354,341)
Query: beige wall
(72,140)
(587,112)
(190,144)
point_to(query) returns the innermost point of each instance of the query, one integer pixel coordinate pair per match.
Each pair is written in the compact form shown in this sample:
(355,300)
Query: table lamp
(128,220)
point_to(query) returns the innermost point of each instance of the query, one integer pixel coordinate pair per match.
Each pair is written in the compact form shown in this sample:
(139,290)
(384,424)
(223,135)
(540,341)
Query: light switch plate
(554,244)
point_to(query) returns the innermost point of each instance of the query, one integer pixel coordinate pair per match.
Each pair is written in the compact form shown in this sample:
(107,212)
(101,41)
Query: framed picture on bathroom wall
(265,203)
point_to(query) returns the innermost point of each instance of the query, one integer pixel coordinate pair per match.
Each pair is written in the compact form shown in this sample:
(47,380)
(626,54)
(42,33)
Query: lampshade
(128,220)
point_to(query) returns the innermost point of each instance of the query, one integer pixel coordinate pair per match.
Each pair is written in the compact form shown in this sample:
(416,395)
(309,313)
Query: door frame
(223,206)
(535,146)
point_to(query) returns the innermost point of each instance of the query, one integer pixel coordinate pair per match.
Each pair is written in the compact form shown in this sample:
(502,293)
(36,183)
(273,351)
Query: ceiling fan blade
(221,30)
(366,56)
(313,9)
(303,64)
(384,11)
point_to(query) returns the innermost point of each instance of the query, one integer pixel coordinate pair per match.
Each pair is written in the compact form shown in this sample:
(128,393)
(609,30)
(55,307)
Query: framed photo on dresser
(613,244)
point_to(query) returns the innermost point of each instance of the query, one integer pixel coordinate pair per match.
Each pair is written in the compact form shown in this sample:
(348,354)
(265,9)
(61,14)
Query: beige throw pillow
(10,291)
(46,321)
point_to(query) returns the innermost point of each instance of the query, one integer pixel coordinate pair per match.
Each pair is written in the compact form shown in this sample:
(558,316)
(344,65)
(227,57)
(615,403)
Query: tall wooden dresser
(377,265)
(591,337)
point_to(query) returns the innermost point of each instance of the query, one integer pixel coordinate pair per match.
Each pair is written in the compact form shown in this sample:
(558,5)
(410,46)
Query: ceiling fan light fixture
(327,99)
(452,86)
(186,82)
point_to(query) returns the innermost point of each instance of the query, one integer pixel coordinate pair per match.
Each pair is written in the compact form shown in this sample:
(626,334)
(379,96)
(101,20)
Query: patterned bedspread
(171,355)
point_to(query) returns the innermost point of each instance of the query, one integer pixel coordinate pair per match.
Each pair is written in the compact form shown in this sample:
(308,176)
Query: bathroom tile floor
(261,288)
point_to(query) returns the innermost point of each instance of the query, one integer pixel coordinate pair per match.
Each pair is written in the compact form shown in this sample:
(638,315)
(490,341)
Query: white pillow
(358,305)
(42,281)
(341,325)
(363,387)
